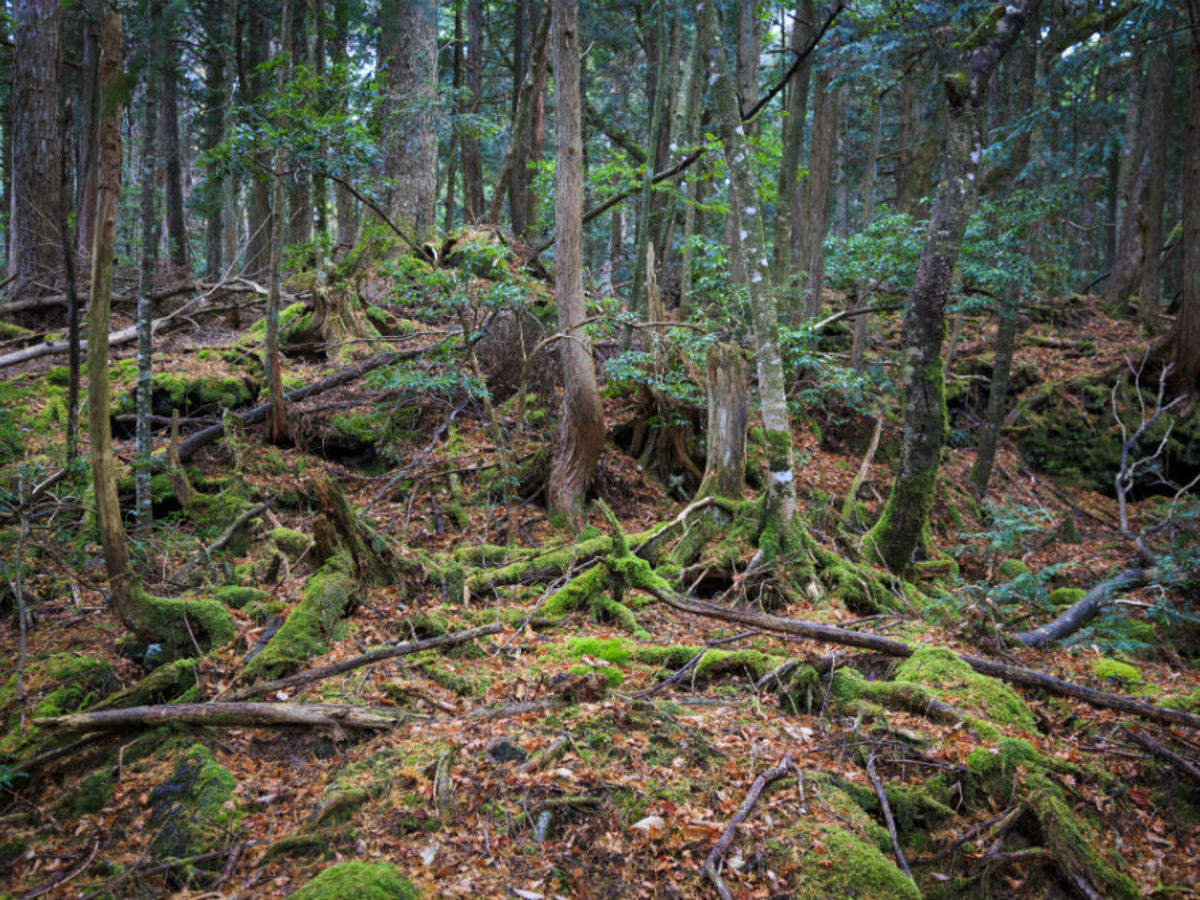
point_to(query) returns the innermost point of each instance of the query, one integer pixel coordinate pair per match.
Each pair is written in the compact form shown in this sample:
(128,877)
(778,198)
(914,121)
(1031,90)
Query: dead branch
(1084,610)
(224,714)
(1167,755)
(887,814)
(1013,674)
(365,659)
(727,837)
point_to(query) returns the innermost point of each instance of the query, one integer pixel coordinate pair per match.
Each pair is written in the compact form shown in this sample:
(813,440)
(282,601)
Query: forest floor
(643,776)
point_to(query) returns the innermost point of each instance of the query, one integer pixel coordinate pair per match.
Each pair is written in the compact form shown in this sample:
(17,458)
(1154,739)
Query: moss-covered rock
(289,541)
(192,812)
(1010,569)
(1065,596)
(237,597)
(361,881)
(1120,673)
(941,569)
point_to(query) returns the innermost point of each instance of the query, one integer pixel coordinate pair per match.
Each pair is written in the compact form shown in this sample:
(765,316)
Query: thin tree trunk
(177,240)
(299,186)
(638,291)
(581,419)
(472,163)
(87,114)
(148,212)
(1150,219)
(903,524)
(108,190)
(693,110)
(345,210)
(789,209)
(320,186)
(408,59)
(456,140)
(34,252)
(819,185)
(277,424)
(214,132)
(1186,337)
(1120,280)
(862,290)
(781,485)
(1006,339)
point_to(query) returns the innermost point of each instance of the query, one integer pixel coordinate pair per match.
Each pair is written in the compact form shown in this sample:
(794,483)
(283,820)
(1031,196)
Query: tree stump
(725,466)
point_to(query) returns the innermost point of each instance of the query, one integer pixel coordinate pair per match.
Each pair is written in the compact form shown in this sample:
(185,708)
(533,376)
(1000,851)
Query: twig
(727,837)
(887,814)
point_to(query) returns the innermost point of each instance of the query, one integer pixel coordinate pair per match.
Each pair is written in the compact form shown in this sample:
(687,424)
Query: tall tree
(85,118)
(905,517)
(1186,335)
(277,423)
(34,252)
(472,161)
(581,418)
(756,278)
(215,85)
(818,187)
(251,51)
(345,208)
(408,69)
(785,251)
(177,238)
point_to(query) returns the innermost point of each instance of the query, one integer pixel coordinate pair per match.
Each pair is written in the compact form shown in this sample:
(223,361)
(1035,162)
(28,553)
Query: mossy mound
(90,795)
(188,393)
(1015,770)
(289,541)
(837,850)
(388,776)
(237,597)
(952,680)
(1123,674)
(327,596)
(1065,596)
(61,683)
(360,880)
(192,812)
(171,681)
(1010,569)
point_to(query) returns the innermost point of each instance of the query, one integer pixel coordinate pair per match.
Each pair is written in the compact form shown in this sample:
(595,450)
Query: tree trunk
(1186,337)
(86,117)
(148,212)
(818,189)
(408,59)
(1126,251)
(581,419)
(320,186)
(472,162)
(725,433)
(905,519)
(215,38)
(34,252)
(460,109)
(644,229)
(862,291)
(108,191)
(344,202)
(1150,217)
(789,208)
(277,424)
(751,249)
(258,223)
(1006,339)
(693,110)
(299,186)
(177,240)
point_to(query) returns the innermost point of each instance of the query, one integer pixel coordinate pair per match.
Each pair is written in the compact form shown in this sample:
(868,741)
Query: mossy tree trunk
(905,518)
(750,249)
(108,190)
(581,420)
(725,433)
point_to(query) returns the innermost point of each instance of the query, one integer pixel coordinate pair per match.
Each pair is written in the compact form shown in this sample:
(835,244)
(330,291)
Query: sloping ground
(570,756)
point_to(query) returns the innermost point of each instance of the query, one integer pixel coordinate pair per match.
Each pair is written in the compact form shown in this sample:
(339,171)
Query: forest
(629,448)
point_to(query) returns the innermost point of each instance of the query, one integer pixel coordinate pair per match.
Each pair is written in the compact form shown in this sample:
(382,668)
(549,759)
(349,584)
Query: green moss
(290,541)
(913,807)
(60,684)
(236,597)
(1127,676)
(1065,596)
(613,650)
(941,569)
(261,613)
(360,880)
(193,812)
(162,619)
(168,682)
(1010,569)
(614,675)
(90,795)
(325,599)
(943,673)
(452,679)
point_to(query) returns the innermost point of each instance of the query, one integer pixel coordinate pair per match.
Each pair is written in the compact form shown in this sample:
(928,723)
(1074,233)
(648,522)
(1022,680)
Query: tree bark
(299,186)
(581,419)
(224,714)
(644,228)
(34,251)
(1150,219)
(215,38)
(108,190)
(1006,339)
(905,519)
(862,288)
(725,433)
(148,212)
(750,248)
(277,423)
(408,60)
(344,203)
(472,161)
(789,208)
(86,117)
(1186,335)
(818,188)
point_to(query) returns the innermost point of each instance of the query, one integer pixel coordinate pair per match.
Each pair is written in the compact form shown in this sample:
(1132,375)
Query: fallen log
(365,659)
(229,715)
(53,300)
(205,436)
(1084,610)
(1166,754)
(1013,674)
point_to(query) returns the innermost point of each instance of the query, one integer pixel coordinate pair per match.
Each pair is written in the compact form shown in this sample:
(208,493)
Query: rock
(651,826)
(502,750)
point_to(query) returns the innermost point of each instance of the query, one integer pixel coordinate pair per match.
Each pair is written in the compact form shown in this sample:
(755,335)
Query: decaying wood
(1013,674)
(365,659)
(713,863)
(226,714)
(1078,614)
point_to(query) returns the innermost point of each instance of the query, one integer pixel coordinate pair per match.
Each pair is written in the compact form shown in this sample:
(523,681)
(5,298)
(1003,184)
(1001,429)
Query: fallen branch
(366,659)
(205,436)
(225,714)
(1084,610)
(887,814)
(727,837)
(52,300)
(1167,755)
(891,647)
